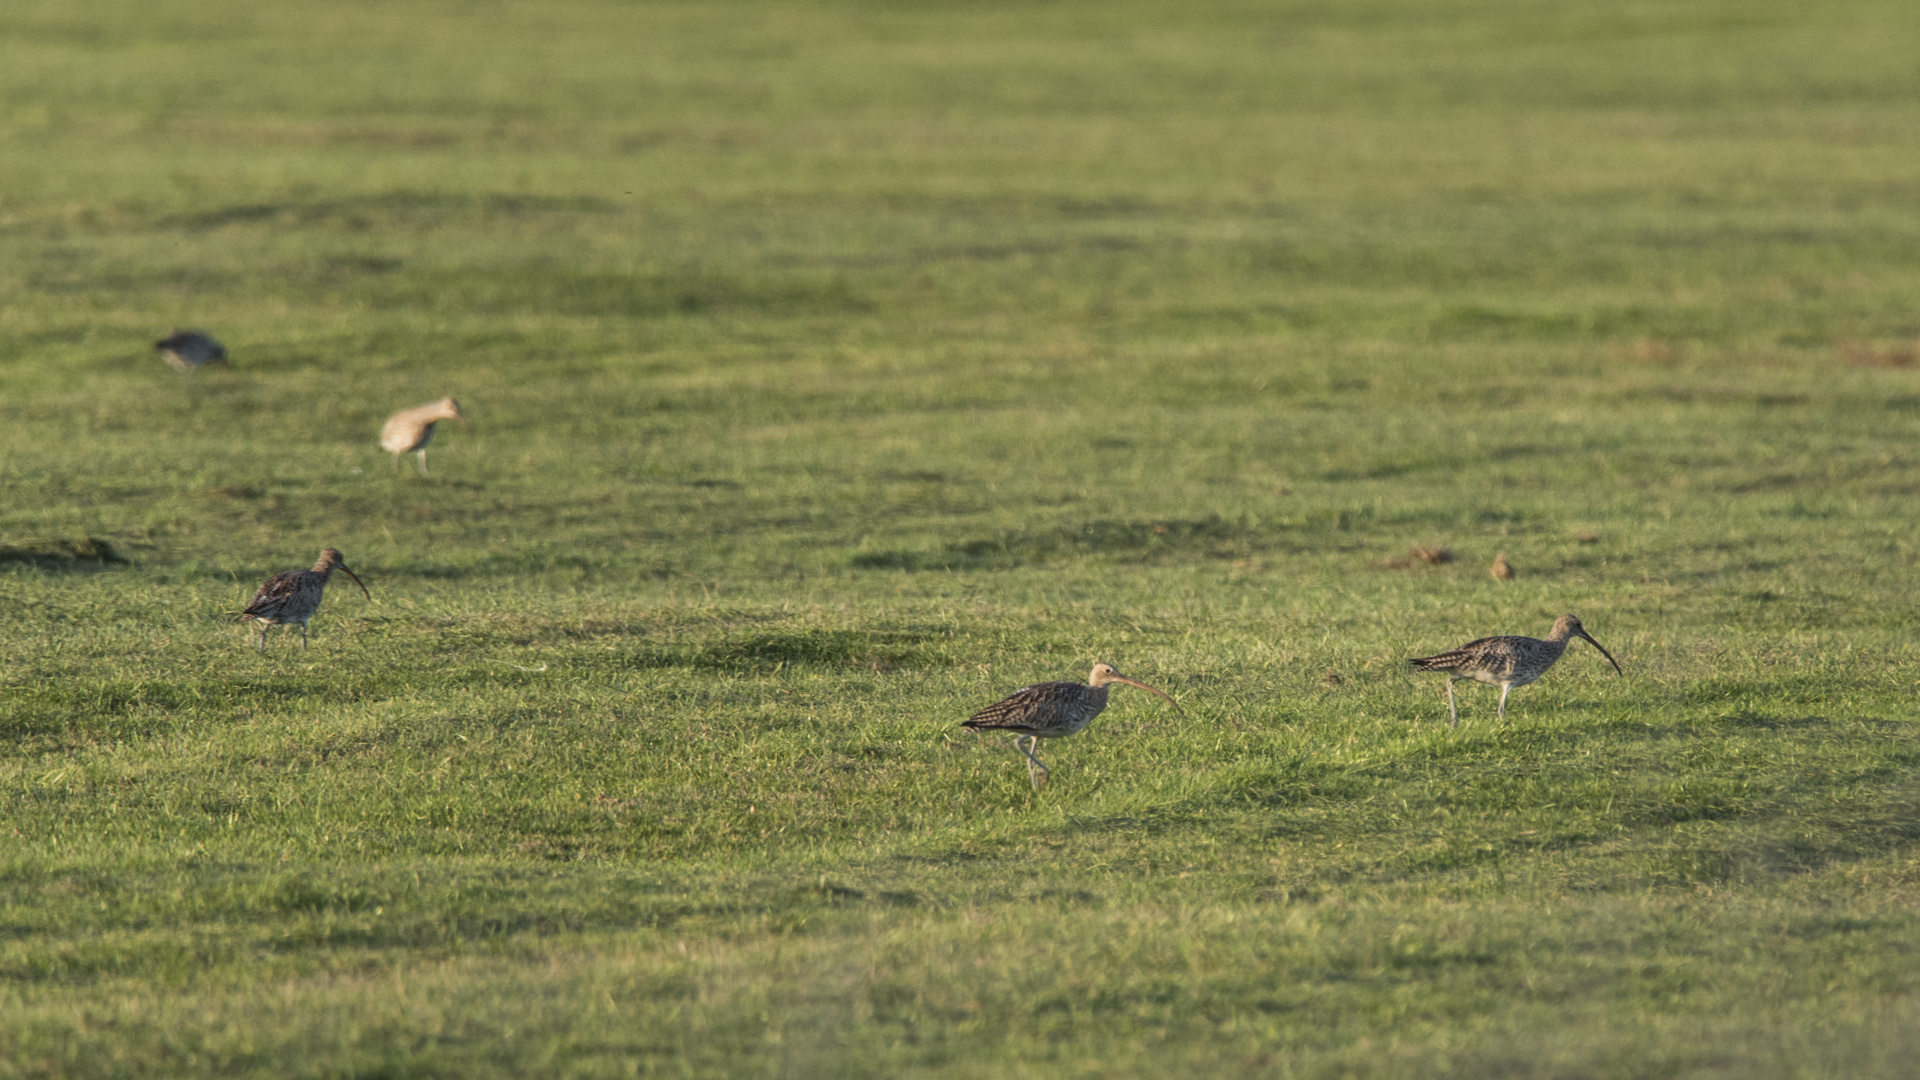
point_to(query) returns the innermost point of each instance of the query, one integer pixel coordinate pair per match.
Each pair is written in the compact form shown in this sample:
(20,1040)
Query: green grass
(835,369)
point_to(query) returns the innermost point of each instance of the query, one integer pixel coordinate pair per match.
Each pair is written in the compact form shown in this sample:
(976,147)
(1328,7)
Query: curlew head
(331,560)
(1567,626)
(450,410)
(1104,674)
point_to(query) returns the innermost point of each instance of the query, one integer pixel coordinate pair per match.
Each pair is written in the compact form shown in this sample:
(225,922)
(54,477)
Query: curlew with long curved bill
(410,430)
(1508,661)
(187,351)
(294,596)
(1051,710)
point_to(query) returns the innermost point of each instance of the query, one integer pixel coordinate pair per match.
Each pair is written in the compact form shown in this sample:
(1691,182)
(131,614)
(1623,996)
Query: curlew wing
(1019,711)
(277,591)
(1469,653)
(192,347)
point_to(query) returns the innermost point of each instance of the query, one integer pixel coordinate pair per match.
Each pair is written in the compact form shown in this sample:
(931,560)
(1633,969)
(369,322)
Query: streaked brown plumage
(189,350)
(1507,662)
(1502,570)
(412,429)
(1051,710)
(294,596)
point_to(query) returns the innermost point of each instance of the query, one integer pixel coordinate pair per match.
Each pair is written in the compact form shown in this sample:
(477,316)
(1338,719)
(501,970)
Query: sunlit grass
(836,369)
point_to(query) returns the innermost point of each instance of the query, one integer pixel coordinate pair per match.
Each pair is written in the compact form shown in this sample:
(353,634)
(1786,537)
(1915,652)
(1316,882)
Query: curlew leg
(263,635)
(1504,687)
(1452,711)
(396,463)
(303,637)
(1036,772)
(423,463)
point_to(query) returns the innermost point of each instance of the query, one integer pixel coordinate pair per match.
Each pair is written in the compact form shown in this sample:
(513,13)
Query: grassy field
(836,369)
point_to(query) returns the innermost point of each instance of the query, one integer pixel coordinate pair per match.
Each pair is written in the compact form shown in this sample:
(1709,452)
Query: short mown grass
(837,368)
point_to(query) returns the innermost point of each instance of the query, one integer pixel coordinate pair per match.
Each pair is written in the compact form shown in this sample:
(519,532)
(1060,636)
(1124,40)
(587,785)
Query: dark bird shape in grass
(410,430)
(1508,661)
(187,351)
(294,596)
(1051,710)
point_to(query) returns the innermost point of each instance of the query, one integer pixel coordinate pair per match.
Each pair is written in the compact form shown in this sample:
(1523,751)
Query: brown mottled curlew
(1507,662)
(1502,570)
(1051,710)
(187,351)
(412,429)
(294,596)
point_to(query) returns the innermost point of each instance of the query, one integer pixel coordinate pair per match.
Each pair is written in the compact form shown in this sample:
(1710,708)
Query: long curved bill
(342,567)
(1144,686)
(1603,651)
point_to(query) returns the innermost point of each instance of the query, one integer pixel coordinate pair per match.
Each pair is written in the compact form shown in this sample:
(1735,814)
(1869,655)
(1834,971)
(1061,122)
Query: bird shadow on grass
(87,553)
(1127,541)
(878,651)
(58,713)
(1747,718)
(410,476)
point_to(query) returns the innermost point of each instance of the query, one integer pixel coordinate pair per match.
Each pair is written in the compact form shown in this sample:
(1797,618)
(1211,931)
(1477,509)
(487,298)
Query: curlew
(187,351)
(1508,661)
(412,429)
(294,596)
(1051,710)
(1502,570)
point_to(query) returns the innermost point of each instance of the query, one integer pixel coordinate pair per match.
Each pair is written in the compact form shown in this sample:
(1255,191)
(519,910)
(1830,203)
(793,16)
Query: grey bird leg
(1036,772)
(263,635)
(1504,687)
(423,463)
(1451,710)
(303,636)
(396,463)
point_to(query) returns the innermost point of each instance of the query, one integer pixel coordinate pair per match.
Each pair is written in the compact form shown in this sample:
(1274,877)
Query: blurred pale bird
(410,430)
